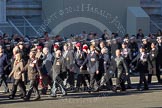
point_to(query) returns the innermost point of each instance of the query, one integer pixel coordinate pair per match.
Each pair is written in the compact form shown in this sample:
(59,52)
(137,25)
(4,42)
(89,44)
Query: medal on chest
(92,59)
(57,63)
(67,58)
(32,64)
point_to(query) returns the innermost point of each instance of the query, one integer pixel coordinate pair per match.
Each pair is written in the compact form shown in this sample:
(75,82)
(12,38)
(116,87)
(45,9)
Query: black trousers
(70,78)
(3,82)
(120,84)
(63,75)
(81,80)
(142,80)
(87,77)
(128,80)
(47,80)
(128,76)
(33,87)
(20,83)
(150,78)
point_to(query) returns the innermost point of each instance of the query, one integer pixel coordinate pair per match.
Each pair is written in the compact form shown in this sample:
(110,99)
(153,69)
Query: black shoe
(11,97)
(145,88)
(72,89)
(85,89)
(78,89)
(129,87)
(108,88)
(89,90)
(96,90)
(64,94)
(114,89)
(139,89)
(123,90)
(118,87)
(149,82)
(43,91)
(6,91)
(26,99)
(160,81)
(102,87)
(37,98)
(22,97)
(53,96)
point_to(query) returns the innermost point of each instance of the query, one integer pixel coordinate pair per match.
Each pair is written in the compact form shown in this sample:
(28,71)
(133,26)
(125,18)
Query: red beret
(77,44)
(55,46)
(39,47)
(85,47)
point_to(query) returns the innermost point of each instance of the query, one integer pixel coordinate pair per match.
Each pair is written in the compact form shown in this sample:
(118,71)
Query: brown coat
(17,70)
(32,69)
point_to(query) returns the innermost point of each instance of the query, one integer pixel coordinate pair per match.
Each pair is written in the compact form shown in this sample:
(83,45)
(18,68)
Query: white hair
(45,50)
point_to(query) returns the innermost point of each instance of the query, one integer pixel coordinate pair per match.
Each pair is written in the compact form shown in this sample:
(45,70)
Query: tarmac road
(105,99)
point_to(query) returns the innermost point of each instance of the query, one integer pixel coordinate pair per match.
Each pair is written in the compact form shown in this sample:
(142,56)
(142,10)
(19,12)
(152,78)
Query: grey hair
(45,49)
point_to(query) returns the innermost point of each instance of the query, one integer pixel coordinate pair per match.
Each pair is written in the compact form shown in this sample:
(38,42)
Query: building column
(2,11)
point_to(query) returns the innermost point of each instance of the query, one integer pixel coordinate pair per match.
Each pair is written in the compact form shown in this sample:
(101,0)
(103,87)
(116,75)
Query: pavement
(132,98)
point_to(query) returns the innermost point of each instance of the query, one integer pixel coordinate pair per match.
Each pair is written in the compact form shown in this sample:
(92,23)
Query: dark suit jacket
(57,67)
(32,69)
(104,63)
(127,55)
(153,59)
(68,60)
(92,62)
(159,56)
(79,59)
(142,66)
(3,63)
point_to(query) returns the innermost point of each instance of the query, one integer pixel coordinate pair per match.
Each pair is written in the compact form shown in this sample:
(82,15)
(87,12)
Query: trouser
(33,86)
(158,72)
(63,76)
(142,79)
(81,80)
(20,83)
(120,81)
(3,82)
(25,78)
(44,83)
(98,78)
(70,78)
(128,76)
(150,78)
(87,77)
(106,79)
(120,84)
(57,83)
(93,82)
(128,80)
